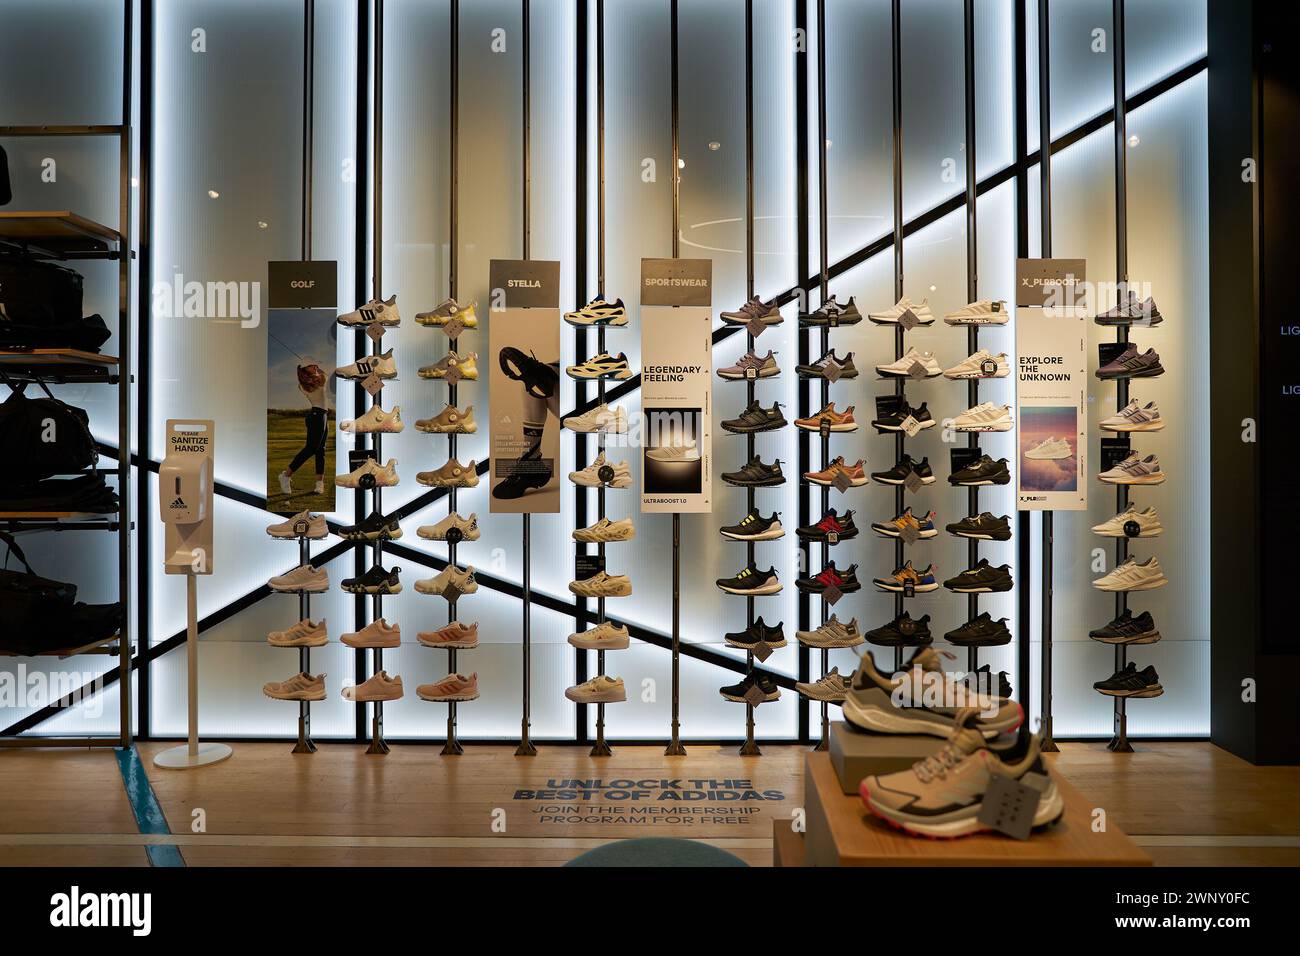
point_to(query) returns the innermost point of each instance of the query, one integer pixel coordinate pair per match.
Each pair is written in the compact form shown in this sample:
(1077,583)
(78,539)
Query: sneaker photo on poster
(1048,459)
(672,451)
(300,410)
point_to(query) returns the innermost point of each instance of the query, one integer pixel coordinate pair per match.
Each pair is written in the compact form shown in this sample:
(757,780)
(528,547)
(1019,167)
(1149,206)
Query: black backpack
(43,437)
(42,615)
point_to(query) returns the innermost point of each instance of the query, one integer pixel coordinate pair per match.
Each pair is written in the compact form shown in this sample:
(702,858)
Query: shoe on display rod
(834,633)
(980,631)
(381,366)
(449,421)
(983,471)
(756,418)
(1134,470)
(598,312)
(983,578)
(375,312)
(1131,523)
(466,366)
(603,419)
(897,582)
(751,581)
(605,636)
(601,585)
(374,527)
(751,366)
(739,693)
(300,686)
(757,633)
(902,468)
(832,528)
(980,364)
(902,631)
(302,525)
(754,527)
(1131,682)
(983,312)
(829,366)
(1131,311)
(378,633)
(381,687)
(605,531)
(985,417)
(893,422)
(832,312)
(598,690)
(454,636)
(306,633)
(447,310)
(892,315)
(303,578)
(375,581)
(894,527)
(830,688)
(982,527)
(1127,629)
(451,474)
(603,472)
(451,582)
(768,313)
(370,474)
(1132,576)
(1135,417)
(1132,364)
(467,528)
(854,474)
(602,366)
(830,576)
(755,474)
(832,419)
(375,421)
(911,359)
(454,688)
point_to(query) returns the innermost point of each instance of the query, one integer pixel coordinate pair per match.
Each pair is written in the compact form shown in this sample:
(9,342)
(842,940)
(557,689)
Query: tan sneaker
(466,365)
(370,474)
(302,578)
(603,472)
(447,310)
(605,531)
(468,528)
(451,475)
(375,419)
(302,634)
(603,637)
(602,419)
(297,687)
(451,582)
(302,525)
(598,690)
(453,637)
(452,688)
(375,634)
(601,585)
(449,421)
(379,687)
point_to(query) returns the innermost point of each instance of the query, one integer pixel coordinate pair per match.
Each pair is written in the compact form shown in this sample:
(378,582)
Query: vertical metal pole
(192,659)
(972,291)
(360,279)
(1024,571)
(802,216)
(304,744)
(125,251)
(896,85)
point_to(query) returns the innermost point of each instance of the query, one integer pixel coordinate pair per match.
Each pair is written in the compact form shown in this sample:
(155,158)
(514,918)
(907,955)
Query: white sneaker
(302,578)
(1134,471)
(598,312)
(985,417)
(902,367)
(589,477)
(1135,417)
(375,634)
(603,637)
(1050,449)
(369,474)
(983,312)
(605,531)
(305,633)
(302,525)
(468,528)
(598,690)
(375,419)
(1132,576)
(981,364)
(374,312)
(674,453)
(380,366)
(602,418)
(891,315)
(1146,523)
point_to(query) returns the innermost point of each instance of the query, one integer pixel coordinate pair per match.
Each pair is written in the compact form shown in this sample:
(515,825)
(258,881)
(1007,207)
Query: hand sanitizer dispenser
(185,496)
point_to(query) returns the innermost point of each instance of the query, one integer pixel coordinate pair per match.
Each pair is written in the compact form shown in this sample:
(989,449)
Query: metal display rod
(972,295)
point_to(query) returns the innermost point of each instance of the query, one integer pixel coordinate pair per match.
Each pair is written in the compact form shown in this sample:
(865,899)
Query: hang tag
(755,327)
(455,536)
(453,374)
(587,565)
(917,371)
(909,588)
(911,427)
(372,383)
(1113,451)
(909,534)
(375,331)
(751,374)
(824,427)
(988,368)
(832,320)
(762,650)
(1107,352)
(1132,529)
(913,482)
(831,372)
(908,320)
(454,327)
(755,696)
(832,594)
(841,482)
(1009,805)
(452,593)
(832,537)
(605,473)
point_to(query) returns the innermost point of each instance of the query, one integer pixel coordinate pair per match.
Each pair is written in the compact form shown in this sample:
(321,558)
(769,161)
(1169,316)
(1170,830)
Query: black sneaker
(756,418)
(755,474)
(902,631)
(893,422)
(539,379)
(737,692)
(528,472)
(758,633)
(904,467)
(818,368)
(374,528)
(833,528)
(751,581)
(981,579)
(845,581)
(983,527)
(983,471)
(985,683)
(981,631)
(833,313)
(754,527)
(1127,629)
(374,581)
(1131,682)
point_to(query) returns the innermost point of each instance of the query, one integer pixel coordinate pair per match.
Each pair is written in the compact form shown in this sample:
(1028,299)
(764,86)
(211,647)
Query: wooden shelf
(58,233)
(106,646)
(62,365)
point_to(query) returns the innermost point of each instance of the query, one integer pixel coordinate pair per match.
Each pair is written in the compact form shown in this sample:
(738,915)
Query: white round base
(179,758)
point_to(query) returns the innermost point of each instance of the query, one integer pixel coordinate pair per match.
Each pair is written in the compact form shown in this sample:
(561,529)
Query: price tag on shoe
(908,534)
(755,696)
(452,593)
(908,320)
(751,374)
(911,427)
(373,384)
(832,537)
(832,594)
(988,368)
(913,482)
(755,327)
(1009,806)
(375,331)
(831,372)
(454,327)
(841,482)
(909,589)
(453,374)
(916,371)
(762,650)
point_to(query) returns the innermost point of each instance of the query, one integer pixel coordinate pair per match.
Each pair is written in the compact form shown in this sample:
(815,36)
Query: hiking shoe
(1135,417)
(902,631)
(375,421)
(305,633)
(375,312)
(454,636)
(1132,364)
(303,578)
(834,633)
(1131,311)
(980,631)
(853,474)
(984,417)
(833,420)
(820,368)
(300,686)
(449,421)
(983,578)
(893,528)
(755,474)
(832,313)
(983,312)
(893,422)
(605,531)
(980,364)
(598,312)
(757,633)
(1134,471)
(598,690)
(754,527)
(380,366)
(982,527)
(375,634)
(897,581)
(751,581)
(1131,682)
(1127,629)
(302,525)
(830,576)
(905,366)
(377,688)
(602,419)
(453,688)
(830,688)
(1131,523)
(605,636)
(465,365)
(370,474)
(983,471)
(902,468)
(1132,576)
(1050,448)
(374,527)
(374,581)
(768,313)
(755,418)
(832,528)
(603,472)
(739,693)
(452,474)
(751,366)
(450,583)
(894,313)
(447,310)
(601,585)
(603,366)
(468,528)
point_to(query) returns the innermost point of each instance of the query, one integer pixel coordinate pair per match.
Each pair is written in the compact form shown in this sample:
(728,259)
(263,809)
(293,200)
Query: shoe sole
(740,646)
(290,536)
(981,482)
(1150,637)
(370,589)
(603,644)
(448,645)
(828,482)
(808,639)
(1144,480)
(593,376)
(982,535)
(617,321)
(900,481)
(769,535)
(733,377)
(312,642)
(761,483)
(441,591)
(447,429)
(883,321)
(355,485)
(454,483)
(979,641)
(895,533)
(1144,586)
(825,698)
(898,588)
(1051,808)
(843,536)
(605,698)
(810,322)
(754,592)
(1126,429)
(753,429)
(446,698)
(603,539)
(767,698)
(737,322)
(419,532)
(352,377)
(844,588)
(968,376)
(313,589)
(1155,532)
(998,426)
(296,695)
(597,483)
(850,427)
(381,644)
(1155,691)
(977,321)
(812,375)
(438,321)
(981,589)
(898,428)
(1141,373)
(891,375)
(386,535)
(602,594)
(373,698)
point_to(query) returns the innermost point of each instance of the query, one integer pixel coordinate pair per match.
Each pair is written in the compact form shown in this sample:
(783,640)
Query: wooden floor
(1184,803)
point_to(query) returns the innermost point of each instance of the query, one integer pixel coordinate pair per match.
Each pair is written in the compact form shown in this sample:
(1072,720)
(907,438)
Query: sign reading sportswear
(676,382)
(524,387)
(1051,385)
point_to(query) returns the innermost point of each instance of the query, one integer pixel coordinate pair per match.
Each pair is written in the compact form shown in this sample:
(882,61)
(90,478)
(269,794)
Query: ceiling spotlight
(715,146)
(213,194)
(932,288)
(263,224)
(829,144)
(681,164)
(1133,140)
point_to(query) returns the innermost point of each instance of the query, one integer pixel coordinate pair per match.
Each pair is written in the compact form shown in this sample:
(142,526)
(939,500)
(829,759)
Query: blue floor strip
(144,804)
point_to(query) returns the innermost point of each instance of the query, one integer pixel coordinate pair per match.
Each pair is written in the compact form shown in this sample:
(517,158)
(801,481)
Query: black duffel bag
(41,308)
(42,437)
(38,615)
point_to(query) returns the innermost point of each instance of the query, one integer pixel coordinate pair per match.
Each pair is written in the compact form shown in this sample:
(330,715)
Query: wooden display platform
(787,845)
(60,365)
(60,232)
(843,832)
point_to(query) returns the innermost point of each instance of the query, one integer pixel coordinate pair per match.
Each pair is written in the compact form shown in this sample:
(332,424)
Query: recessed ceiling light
(715,146)
(213,194)
(681,164)
(263,224)
(1133,140)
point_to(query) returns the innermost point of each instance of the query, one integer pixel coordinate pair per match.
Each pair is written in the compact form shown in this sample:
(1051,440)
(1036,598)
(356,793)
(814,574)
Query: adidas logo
(178,503)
